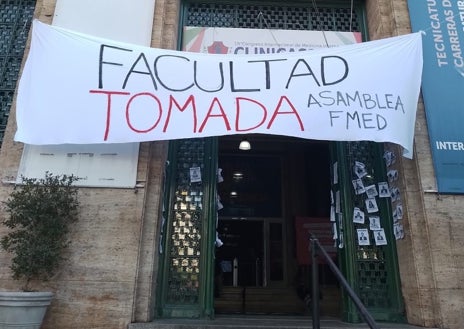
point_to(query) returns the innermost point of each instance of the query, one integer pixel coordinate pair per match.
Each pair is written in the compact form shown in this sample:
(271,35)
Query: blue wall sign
(443,85)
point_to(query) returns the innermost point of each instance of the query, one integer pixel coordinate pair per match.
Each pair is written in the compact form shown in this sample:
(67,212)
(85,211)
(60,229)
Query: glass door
(240,259)
(250,196)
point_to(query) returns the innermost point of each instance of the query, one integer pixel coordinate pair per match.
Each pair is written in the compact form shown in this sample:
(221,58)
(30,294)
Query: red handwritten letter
(293,111)
(108,107)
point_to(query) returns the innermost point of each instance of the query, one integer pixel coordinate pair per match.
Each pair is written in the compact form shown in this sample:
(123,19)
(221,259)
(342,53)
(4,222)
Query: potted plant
(38,217)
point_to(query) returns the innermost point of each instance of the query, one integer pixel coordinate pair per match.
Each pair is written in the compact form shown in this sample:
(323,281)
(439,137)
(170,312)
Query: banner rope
(351,16)
(316,9)
(260,14)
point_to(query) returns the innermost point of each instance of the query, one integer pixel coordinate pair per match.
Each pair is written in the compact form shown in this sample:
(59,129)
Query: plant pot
(23,310)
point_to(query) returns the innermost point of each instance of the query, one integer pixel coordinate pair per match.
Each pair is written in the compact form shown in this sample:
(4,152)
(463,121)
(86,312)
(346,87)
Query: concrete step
(257,300)
(281,301)
(260,322)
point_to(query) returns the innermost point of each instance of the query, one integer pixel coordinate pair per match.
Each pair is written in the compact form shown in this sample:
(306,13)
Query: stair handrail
(315,246)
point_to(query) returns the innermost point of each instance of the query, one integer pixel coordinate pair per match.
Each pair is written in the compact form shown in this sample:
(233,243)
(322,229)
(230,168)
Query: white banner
(80,89)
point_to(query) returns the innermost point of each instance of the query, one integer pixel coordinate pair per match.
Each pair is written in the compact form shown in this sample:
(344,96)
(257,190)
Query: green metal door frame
(174,294)
(375,278)
(186,271)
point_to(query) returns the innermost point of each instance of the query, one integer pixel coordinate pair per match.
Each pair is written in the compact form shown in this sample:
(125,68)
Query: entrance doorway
(283,185)
(264,192)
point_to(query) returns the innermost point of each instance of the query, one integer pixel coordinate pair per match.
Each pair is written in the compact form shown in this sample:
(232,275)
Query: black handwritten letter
(308,69)
(101,62)
(334,115)
(195,75)
(323,62)
(232,82)
(155,64)
(267,68)
(147,72)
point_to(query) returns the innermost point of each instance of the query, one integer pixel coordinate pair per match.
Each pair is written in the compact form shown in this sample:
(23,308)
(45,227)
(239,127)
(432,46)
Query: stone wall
(431,255)
(165,31)
(113,252)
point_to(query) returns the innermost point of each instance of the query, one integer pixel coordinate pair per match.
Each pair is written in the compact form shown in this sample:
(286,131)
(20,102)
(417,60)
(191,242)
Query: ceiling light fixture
(237,175)
(245,145)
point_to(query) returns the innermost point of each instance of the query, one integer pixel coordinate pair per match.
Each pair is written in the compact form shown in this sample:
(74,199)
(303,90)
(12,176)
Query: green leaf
(40,212)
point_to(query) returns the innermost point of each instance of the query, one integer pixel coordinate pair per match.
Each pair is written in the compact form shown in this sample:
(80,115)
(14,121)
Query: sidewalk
(257,321)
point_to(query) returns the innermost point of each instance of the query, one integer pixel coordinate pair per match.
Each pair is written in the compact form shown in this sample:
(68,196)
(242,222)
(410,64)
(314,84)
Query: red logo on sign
(218,48)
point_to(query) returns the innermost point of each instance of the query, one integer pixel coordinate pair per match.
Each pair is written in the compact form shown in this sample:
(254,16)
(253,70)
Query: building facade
(147,245)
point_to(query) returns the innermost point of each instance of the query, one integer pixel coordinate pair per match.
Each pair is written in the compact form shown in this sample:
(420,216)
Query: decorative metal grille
(186,226)
(15,21)
(371,267)
(296,17)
